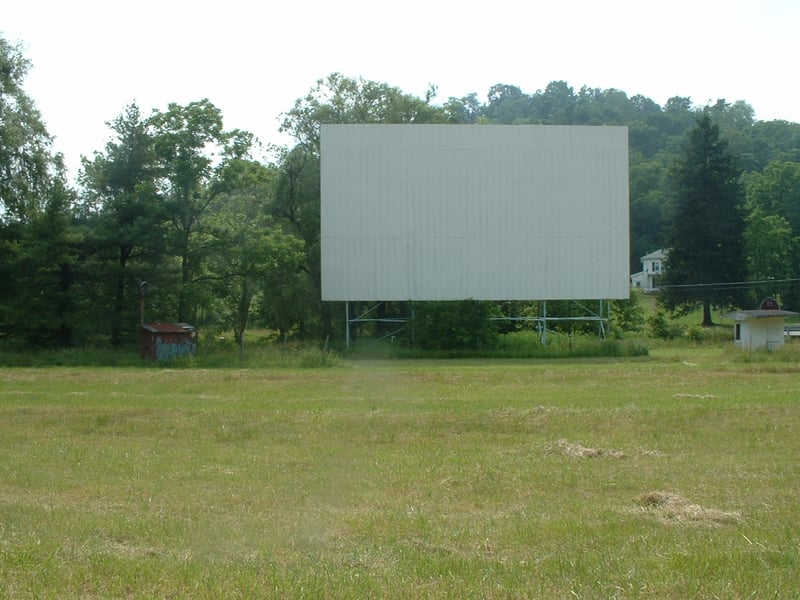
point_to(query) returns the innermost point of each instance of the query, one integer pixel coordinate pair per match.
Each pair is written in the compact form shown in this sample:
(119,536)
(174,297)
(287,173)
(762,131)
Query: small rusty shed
(162,341)
(762,328)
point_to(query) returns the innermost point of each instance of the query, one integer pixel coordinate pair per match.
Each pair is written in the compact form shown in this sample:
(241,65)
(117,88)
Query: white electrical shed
(484,212)
(760,329)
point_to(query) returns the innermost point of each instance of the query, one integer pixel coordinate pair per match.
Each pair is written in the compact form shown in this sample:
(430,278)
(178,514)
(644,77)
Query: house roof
(655,255)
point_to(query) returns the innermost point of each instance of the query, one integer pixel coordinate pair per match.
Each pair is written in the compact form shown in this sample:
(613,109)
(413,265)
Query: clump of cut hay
(652,453)
(696,396)
(672,508)
(579,451)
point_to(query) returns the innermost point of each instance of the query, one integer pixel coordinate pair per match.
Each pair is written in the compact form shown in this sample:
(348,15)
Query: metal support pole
(142,286)
(601,331)
(413,326)
(544,322)
(347,325)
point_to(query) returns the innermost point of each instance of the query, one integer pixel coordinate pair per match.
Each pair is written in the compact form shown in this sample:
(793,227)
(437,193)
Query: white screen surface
(487,212)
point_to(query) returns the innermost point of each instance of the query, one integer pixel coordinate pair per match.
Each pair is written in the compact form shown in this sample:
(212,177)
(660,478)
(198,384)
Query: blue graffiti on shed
(163,341)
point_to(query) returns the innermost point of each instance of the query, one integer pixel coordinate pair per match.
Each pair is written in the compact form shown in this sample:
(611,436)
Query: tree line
(185,217)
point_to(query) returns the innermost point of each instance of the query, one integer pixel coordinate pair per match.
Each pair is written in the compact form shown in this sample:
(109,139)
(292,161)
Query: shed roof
(742,315)
(166,327)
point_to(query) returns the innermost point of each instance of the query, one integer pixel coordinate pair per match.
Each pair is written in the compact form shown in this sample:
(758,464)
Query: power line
(728,285)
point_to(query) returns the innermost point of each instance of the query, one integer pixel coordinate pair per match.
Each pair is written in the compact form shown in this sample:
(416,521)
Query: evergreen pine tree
(705,231)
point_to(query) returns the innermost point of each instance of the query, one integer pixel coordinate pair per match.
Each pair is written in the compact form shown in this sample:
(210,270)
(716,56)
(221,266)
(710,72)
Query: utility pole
(142,285)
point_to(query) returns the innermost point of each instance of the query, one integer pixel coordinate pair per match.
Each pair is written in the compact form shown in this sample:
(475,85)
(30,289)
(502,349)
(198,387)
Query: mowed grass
(674,476)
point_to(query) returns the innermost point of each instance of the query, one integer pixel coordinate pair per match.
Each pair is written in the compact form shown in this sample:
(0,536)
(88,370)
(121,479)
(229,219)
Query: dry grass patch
(675,509)
(578,451)
(562,446)
(652,453)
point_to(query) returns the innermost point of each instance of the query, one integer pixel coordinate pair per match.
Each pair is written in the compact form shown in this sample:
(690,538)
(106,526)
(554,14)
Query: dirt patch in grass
(123,549)
(674,509)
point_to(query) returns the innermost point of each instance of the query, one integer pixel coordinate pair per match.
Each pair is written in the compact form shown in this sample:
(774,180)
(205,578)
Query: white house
(761,328)
(652,268)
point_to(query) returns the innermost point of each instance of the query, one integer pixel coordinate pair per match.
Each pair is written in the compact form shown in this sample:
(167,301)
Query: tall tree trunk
(184,300)
(707,322)
(119,307)
(64,307)
(242,315)
(119,298)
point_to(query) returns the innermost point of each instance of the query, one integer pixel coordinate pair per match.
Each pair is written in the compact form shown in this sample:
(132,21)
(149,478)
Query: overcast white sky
(253,59)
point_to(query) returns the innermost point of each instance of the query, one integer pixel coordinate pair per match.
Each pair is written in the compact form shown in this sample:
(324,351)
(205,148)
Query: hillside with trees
(178,208)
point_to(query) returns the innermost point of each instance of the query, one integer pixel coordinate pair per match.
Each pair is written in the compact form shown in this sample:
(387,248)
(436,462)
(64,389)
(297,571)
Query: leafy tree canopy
(340,99)
(26,164)
(178,200)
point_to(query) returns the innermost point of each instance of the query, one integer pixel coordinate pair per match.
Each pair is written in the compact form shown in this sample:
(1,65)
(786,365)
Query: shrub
(629,315)
(454,326)
(695,333)
(661,328)
(312,359)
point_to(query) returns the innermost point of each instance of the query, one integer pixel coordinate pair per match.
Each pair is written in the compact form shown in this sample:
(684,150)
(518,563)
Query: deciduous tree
(25,154)
(340,99)
(190,141)
(770,244)
(38,245)
(250,250)
(336,99)
(776,191)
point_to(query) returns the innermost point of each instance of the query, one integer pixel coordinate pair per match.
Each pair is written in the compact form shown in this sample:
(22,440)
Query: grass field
(671,476)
